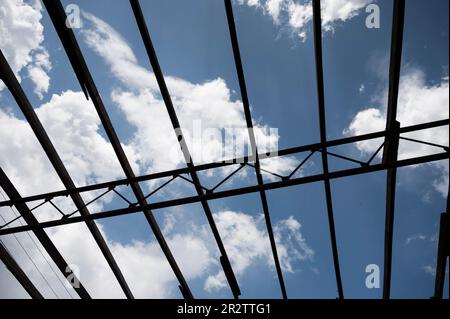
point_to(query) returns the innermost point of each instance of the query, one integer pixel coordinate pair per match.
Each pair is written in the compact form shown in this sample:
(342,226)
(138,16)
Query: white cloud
(21,41)
(292,245)
(144,266)
(415,237)
(361,88)
(37,71)
(74,128)
(250,3)
(274,8)
(246,242)
(335,11)
(418,102)
(113,48)
(296,15)
(73,125)
(282,166)
(299,16)
(430,270)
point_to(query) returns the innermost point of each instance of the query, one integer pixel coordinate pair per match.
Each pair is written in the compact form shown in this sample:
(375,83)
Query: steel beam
(248,119)
(443,252)
(442,255)
(392,138)
(317,24)
(18,273)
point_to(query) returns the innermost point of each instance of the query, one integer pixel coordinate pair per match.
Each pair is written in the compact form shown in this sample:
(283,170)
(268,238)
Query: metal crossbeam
(58,16)
(229,274)
(213,165)
(18,273)
(317,24)
(234,192)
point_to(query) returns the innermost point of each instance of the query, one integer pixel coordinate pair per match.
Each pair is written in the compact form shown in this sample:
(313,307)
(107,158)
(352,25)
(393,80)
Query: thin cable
(40,251)
(32,261)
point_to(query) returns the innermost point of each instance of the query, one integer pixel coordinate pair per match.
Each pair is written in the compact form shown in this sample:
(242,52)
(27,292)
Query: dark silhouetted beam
(14,87)
(233,192)
(184,148)
(212,165)
(392,138)
(443,252)
(317,23)
(18,273)
(58,16)
(248,119)
(41,235)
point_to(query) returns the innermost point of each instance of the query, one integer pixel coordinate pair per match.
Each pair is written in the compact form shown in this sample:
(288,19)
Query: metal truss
(141,204)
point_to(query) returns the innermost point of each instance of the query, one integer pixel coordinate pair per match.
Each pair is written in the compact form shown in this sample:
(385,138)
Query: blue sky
(192,43)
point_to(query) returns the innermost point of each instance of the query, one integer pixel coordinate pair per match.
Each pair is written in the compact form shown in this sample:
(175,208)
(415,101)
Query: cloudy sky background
(192,43)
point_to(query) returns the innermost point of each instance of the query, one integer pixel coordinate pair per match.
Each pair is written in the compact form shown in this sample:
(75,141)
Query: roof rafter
(248,119)
(317,23)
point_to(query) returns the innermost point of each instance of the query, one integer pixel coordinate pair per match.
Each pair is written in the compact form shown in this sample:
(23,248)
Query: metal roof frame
(391,135)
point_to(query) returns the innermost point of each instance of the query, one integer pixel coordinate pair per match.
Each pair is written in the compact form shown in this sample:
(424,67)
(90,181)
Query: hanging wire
(41,253)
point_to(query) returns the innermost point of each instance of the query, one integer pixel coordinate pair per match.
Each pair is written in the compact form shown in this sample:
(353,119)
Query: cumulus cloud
(143,264)
(74,128)
(299,16)
(21,41)
(361,89)
(415,237)
(246,242)
(335,11)
(295,16)
(251,3)
(430,270)
(38,72)
(418,102)
(274,8)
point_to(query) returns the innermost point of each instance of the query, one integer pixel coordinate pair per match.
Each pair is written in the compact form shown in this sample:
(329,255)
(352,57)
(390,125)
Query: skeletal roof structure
(391,136)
